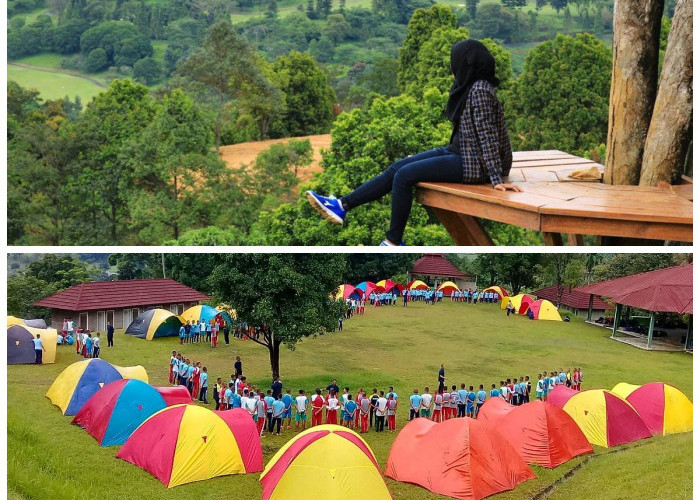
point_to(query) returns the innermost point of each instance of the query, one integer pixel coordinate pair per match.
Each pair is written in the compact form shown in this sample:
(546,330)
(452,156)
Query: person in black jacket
(110,334)
(479,150)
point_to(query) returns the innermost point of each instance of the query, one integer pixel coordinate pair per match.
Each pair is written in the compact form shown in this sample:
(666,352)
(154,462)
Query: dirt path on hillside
(59,71)
(246,152)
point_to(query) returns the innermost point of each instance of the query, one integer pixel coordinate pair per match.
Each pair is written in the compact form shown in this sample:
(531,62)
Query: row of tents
(541,309)
(178,442)
(159,429)
(366,288)
(156,323)
(471,459)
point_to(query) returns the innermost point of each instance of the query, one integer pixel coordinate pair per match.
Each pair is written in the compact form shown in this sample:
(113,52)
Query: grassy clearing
(53,85)
(45,60)
(48,458)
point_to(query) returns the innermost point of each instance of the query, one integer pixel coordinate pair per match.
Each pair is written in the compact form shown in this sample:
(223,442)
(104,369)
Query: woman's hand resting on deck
(507,187)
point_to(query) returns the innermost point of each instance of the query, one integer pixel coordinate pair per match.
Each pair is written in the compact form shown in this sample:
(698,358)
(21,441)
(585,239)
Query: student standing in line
(539,390)
(437,407)
(173,365)
(463,395)
(480,399)
(317,405)
(392,406)
(332,407)
(471,402)
(269,401)
(204,382)
(380,408)
(415,401)
(87,349)
(278,409)
(261,412)
(373,406)
(350,412)
(495,393)
(215,394)
(300,417)
(96,346)
(287,399)
(427,400)
(365,405)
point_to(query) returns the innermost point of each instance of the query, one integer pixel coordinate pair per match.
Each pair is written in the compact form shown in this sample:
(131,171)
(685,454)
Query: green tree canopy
(309,97)
(561,99)
(288,294)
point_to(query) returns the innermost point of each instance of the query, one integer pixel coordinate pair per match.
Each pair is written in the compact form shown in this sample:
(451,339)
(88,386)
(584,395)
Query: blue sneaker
(329,207)
(385,244)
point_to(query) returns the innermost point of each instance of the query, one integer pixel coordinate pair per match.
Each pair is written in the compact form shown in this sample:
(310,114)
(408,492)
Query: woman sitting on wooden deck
(479,149)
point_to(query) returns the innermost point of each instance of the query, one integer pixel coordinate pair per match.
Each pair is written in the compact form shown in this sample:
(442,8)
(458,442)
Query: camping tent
(326,461)
(417,285)
(348,292)
(525,304)
(12,320)
(367,287)
(663,408)
(199,313)
(185,443)
(560,395)
(36,323)
(606,419)
(545,310)
(502,292)
(177,395)
(541,433)
(515,300)
(390,286)
(458,458)
(114,412)
(447,287)
(78,382)
(154,323)
(20,345)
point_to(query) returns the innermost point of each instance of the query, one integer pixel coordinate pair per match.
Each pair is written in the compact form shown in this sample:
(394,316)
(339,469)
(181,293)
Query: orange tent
(458,458)
(541,433)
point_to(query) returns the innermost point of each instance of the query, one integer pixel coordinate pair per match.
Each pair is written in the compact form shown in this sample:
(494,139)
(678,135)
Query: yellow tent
(20,345)
(545,310)
(11,321)
(664,408)
(326,461)
(515,300)
(418,285)
(137,372)
(447,287)
(606,419)
(623,389)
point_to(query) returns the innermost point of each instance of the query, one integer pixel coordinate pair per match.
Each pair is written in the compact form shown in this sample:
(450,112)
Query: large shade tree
(287,294)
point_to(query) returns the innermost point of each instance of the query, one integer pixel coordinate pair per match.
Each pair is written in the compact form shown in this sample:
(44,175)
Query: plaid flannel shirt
(483,137)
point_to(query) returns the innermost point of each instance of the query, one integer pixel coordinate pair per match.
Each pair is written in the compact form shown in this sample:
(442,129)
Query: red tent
(525,304)
(178,395)
(458,458)
(541,433)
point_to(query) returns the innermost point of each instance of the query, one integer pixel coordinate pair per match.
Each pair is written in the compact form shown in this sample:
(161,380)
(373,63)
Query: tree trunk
(636,29)
(669,133)
(274,348)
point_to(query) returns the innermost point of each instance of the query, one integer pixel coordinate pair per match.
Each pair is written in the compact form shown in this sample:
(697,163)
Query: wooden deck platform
(557,205)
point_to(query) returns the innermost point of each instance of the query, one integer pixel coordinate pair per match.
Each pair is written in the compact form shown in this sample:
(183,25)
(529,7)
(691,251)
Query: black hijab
(470,61)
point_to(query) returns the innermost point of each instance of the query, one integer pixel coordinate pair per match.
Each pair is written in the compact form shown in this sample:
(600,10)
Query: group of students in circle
(444,404)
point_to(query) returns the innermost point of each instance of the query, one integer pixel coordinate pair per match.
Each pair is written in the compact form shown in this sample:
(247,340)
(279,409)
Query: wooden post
(669,136)
(689,335)
(650,335)
(636,30)
(590,308)
(616,321)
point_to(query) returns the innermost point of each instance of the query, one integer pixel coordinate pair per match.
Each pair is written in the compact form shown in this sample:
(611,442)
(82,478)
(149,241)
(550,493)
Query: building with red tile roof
(92,305)
(574,300)
(436,268)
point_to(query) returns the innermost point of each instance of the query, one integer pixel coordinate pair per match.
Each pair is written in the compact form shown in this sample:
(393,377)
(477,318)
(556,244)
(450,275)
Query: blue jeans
(436,165)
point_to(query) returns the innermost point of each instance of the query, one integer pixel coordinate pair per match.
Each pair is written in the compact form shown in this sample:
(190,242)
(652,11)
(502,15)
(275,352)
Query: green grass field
(52,85)
(49,458)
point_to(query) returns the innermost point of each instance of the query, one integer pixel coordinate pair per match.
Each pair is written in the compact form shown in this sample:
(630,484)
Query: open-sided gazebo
(664,290)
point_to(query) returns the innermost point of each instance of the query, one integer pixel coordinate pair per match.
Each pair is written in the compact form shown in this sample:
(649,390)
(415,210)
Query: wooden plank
(464,229)
(625,229)
(575,240)
(671,209)
(552,239)
(528,219)
(485,192)
(540,176)
(551,163)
